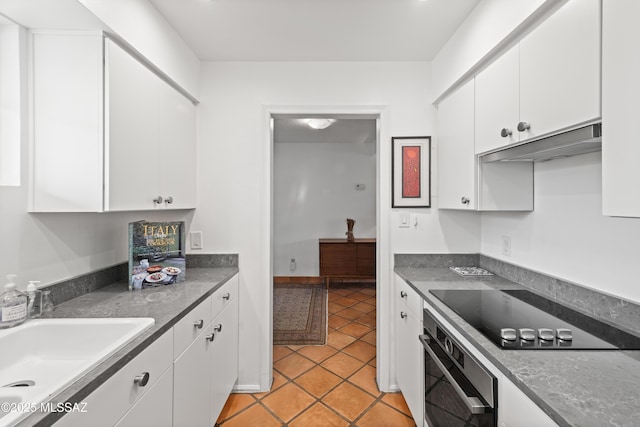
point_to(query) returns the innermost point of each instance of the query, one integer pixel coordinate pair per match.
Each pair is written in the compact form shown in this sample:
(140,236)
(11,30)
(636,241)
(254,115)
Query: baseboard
(298,279)
(247,388)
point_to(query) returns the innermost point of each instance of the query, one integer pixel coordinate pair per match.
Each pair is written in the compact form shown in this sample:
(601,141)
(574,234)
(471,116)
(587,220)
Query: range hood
(582,140)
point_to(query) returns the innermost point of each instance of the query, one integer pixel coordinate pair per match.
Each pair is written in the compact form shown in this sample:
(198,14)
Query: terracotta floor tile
(295,347)
(365,378)
(318,381)
(341,291)
(371,300)
(235,403)
(355,329)
(348,400)
(347,301)
(254,416)
(371,291)
(287,402)
(342,365)
(337,339)
(370,337)
(381,415)
(334,308)
(359,296)
(373,362)
(361,351)
(396,400)
(368,319)
(337,322)
(319,416)
(280,351)
(317,353)
(363,307)
(351,314)
(293,365)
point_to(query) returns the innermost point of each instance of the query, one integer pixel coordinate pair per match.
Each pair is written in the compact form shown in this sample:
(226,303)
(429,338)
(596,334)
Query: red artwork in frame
(411,171)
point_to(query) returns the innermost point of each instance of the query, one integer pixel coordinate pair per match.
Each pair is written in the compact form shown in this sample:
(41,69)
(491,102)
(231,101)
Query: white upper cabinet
(456,157)
(498,103)
(560,69)
(548,82)
(620,108)
(112,137)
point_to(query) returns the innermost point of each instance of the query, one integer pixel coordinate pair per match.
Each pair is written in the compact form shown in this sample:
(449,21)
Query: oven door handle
(475,405)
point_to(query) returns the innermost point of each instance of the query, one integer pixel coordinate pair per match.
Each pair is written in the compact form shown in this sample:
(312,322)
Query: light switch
(196,239)
(404,220)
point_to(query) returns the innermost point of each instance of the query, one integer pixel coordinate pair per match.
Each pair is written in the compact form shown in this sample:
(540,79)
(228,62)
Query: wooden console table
(347,260)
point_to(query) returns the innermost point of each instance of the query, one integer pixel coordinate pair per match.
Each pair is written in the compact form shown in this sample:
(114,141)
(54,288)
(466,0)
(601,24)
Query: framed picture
(411,172)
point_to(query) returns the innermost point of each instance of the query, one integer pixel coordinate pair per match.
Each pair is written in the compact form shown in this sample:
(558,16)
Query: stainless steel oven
(459,391)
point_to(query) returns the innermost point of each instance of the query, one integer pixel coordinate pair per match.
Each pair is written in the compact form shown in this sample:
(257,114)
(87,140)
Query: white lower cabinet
(109,403)
(515,409)
(409,350)
(183,379)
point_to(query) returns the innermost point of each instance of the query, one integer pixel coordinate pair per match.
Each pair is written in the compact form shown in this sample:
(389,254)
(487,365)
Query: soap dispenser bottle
(13,305)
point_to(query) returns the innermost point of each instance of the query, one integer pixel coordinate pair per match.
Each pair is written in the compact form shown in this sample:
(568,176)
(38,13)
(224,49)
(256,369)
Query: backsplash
(607,308)
(72,288)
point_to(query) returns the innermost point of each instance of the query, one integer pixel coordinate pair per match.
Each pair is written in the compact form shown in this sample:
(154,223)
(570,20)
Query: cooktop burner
(522,320)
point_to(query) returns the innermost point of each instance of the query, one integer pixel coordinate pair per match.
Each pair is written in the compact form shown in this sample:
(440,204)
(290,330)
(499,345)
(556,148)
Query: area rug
(299,314)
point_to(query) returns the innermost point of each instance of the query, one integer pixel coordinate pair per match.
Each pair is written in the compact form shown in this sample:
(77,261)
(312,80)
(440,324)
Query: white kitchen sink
(41,357)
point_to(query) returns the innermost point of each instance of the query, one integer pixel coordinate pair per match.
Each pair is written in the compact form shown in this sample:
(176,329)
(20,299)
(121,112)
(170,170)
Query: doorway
(379,115)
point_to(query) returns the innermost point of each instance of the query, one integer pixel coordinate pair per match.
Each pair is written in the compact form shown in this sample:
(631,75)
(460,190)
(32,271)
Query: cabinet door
(409,358)
(366,259)
(620,108)
(338,259)
(191,378)
(177,149)
(133,163)
(456,154)
(560,69)
(154,408)
(497,103)
(224,358)
(517,410)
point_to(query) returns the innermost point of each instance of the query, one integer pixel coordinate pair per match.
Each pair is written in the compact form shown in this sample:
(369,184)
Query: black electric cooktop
(523,320)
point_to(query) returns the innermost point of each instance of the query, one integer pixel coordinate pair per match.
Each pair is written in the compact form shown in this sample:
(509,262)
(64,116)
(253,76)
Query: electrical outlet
(196,239)
(506,245)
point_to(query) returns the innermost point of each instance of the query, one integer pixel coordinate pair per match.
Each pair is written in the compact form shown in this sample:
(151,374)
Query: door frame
(384,279)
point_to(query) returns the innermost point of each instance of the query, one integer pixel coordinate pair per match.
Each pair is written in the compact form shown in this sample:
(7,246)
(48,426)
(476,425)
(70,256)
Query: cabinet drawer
(107,404)
(223,296)
(409,297)
(155,408)
(188,328)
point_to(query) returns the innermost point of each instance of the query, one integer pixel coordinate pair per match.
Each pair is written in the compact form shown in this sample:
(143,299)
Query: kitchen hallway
(330,385)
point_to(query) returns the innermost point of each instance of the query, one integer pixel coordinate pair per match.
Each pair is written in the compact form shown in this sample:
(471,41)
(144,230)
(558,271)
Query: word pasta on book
(156,254)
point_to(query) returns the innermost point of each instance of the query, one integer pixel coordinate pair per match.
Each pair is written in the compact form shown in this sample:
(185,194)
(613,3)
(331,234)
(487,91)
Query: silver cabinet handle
(464,200)
(506,132)
(403,315)
(199,324)
(169,200)
(142,380)
(403,294)
(157,200)
(218,328)
(226,296)
(522,126)
(211,337)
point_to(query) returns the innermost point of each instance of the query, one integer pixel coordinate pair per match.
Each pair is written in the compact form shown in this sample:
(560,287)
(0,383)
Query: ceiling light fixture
(319,123)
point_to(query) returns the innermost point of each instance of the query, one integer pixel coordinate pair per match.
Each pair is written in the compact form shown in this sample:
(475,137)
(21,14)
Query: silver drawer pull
(403,294)
(142,380)
(199,324)
(211,337)
(403,315)
(218,328)
(226,296)
(157,200)
(169,200)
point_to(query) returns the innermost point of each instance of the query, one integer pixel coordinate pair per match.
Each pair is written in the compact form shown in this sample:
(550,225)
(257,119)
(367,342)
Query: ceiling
(315,30)
(295,130)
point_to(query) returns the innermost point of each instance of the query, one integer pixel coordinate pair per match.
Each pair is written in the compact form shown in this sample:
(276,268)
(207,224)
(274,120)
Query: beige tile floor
(330,385)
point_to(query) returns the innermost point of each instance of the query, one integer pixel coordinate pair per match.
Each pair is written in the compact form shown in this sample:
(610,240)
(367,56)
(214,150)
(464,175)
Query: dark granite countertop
(575,388)
(167,305)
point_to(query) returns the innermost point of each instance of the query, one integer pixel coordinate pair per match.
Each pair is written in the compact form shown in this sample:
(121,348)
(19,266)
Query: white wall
(234,157)
(11,89)
(314,194)
(566,235)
